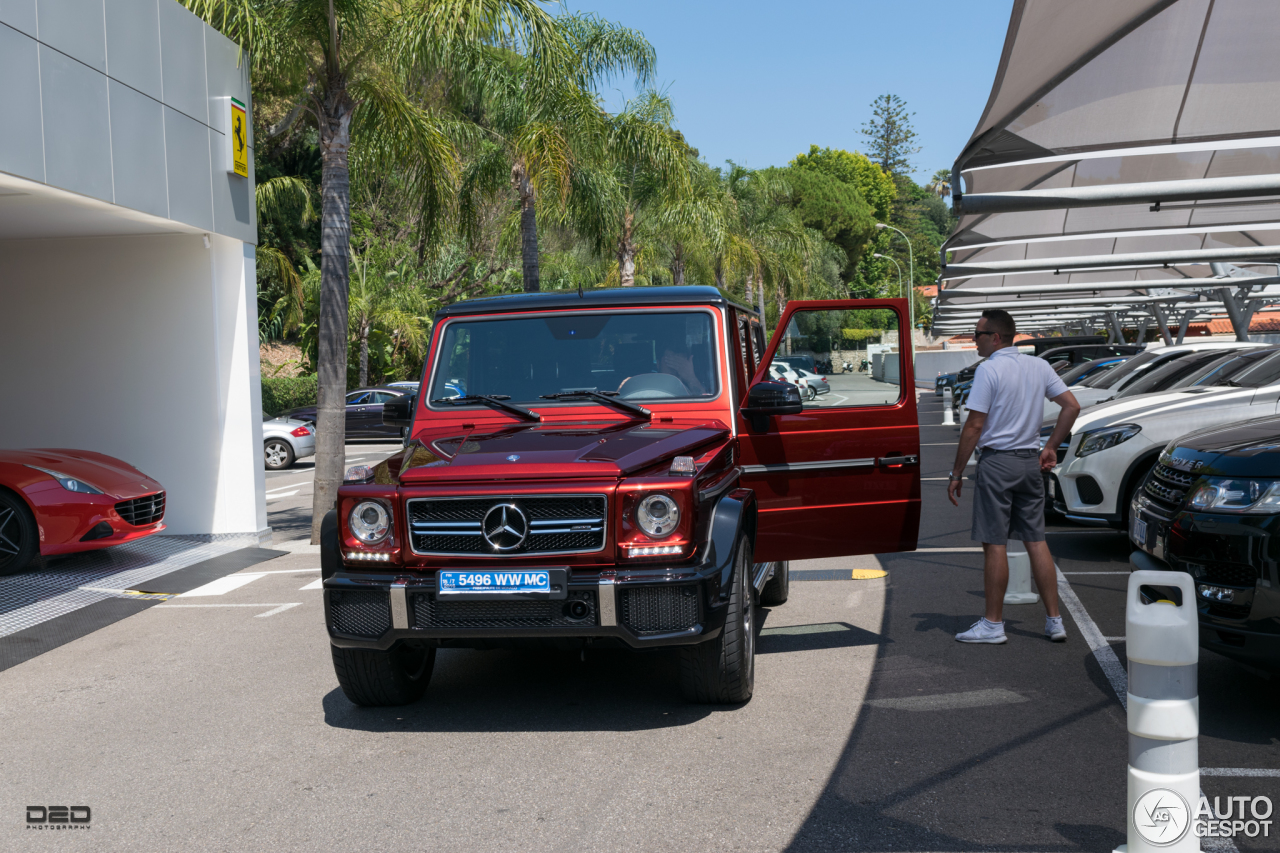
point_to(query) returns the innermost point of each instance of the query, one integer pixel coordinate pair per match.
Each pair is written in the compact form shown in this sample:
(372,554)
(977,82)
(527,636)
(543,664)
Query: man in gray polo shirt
(1005,406)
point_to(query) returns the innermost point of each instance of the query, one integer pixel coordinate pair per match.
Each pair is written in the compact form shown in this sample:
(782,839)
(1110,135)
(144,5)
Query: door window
(380,397)
(867,338)
(356,398)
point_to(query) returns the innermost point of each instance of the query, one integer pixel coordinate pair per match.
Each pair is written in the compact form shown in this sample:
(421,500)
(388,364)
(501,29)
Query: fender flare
(330,548)
(734,517)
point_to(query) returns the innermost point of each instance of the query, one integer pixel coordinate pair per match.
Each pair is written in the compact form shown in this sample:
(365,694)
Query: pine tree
(890,134)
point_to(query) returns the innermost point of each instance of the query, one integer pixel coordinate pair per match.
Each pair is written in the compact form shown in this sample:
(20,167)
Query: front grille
(432,612)
(1228,574)
(361,613)
(1089,490)
(1167,488)
(659,609)
(1229,611)
(557,524)
(147,509)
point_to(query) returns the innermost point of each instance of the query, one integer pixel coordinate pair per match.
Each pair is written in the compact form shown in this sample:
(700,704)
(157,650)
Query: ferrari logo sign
(239,139)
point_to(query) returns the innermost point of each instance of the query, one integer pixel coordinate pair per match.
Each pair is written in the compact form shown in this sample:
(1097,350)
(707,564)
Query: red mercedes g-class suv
(613,467)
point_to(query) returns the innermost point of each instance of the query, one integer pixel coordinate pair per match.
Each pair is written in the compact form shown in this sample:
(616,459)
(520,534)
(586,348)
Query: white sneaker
(983,631)
(1053,629)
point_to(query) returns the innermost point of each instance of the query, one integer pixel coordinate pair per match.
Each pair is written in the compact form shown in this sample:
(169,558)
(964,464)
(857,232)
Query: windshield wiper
(493,401)
(623,405)
(1231,382)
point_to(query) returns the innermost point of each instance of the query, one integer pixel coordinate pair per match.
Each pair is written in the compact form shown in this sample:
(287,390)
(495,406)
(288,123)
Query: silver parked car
(285,441)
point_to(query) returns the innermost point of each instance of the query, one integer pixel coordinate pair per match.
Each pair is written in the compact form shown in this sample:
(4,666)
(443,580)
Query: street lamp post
(911,268)
(896,264)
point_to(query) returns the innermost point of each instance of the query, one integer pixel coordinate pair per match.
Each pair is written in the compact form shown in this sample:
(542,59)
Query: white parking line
(283,495)
(278,608)
(290,486)
(318,583)
(286,571)
(1097,573)
(221,586)
(1239,771)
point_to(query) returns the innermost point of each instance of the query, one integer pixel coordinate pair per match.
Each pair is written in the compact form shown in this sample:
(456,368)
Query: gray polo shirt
(1010,388)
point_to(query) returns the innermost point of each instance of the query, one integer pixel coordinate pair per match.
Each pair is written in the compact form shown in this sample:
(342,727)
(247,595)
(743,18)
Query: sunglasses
(977,335)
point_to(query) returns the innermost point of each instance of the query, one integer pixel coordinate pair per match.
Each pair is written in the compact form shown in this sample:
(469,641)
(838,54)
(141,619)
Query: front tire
(723,671)
(374,679)
(278,454)
(777,590)
(19,536)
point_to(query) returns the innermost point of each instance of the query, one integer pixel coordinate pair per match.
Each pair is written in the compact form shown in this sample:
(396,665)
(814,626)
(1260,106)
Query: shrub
(282,393)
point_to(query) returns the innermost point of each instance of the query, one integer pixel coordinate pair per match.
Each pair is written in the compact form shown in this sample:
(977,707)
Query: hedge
(282,393)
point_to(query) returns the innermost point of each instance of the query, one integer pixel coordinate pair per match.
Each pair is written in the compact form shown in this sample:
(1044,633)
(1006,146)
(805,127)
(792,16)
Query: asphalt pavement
(213,721)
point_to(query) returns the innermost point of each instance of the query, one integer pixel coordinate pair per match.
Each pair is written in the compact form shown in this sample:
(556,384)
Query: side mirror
(399,412)
(772,398)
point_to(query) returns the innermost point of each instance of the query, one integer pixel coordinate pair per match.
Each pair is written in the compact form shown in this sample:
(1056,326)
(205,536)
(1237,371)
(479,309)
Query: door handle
(897,461)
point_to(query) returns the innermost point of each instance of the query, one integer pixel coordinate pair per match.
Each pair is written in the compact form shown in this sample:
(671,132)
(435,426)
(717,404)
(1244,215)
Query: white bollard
(1162,641)
(948,417)
(1021,590)
(964,414)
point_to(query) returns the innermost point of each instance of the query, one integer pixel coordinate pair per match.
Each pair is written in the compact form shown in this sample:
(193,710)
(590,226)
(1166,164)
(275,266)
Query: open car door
(838,474)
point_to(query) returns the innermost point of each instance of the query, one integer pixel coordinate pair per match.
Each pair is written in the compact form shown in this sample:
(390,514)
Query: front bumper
(1088,489)
(640,608)
(1233,561)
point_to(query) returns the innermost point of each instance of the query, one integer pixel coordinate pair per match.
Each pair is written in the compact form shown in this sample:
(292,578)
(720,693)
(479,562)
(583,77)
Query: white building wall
(144,348)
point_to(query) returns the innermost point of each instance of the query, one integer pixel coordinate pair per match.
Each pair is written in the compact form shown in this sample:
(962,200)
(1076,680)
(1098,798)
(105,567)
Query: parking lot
(214,722)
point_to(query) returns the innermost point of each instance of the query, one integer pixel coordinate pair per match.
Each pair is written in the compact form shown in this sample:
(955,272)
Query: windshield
(639,356)
(1070,377)
(1171,374)
(1221,371)
(1140,362)
(1259,373)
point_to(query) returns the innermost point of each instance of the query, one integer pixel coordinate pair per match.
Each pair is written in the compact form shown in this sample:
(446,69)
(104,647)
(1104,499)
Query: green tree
(356,67)
(874,185)
(890,136)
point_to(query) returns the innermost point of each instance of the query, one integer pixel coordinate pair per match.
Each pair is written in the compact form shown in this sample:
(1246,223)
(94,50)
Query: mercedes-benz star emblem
(514,457)
(505,527)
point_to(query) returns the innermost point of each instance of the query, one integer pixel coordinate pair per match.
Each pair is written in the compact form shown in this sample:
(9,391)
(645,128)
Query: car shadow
(815,637)
(536,691)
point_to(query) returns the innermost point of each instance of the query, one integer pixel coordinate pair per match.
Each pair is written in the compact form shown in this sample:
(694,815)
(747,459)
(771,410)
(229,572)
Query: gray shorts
(1008,497)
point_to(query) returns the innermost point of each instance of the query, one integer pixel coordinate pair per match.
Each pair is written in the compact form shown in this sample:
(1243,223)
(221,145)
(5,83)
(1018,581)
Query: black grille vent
(361,613)
(147,509)
(1167,488)
(1089,490)
(430,612)
(1228,574)
(1229,611)
(557,524)
(659,609)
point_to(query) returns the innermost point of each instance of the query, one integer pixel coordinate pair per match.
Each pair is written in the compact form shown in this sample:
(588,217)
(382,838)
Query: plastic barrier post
(1021,590)
(1162,641)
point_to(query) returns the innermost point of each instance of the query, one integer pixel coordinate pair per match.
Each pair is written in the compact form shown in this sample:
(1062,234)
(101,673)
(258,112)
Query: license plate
(1139,533)
(494,582)
(1053,492)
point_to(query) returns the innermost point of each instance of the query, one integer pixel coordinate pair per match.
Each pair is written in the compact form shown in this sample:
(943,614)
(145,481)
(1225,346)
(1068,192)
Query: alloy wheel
(10,535)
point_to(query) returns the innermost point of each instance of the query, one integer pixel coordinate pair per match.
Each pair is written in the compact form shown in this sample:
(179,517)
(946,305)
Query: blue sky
(758,82)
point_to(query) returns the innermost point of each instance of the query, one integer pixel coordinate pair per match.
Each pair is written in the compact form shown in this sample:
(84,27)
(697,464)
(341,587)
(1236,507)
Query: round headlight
(369,522)
(658,515)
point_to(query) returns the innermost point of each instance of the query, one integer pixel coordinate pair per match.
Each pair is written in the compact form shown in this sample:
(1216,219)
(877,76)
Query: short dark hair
(1002,323)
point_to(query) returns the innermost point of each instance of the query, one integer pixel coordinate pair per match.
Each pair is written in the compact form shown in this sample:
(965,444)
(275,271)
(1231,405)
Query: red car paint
(586,448)
(64,517)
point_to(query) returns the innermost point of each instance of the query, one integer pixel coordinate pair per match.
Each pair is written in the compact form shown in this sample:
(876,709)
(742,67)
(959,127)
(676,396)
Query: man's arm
(968,441)
(1066,418)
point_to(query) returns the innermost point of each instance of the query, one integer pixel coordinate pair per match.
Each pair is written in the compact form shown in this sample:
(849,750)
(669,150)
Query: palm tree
(283,199)
(540,133)
(940,183)
(356,65)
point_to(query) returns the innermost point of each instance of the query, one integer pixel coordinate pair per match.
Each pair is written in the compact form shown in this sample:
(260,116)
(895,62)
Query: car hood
(1146,406)
(1246,448)
(548,451)
(107,473)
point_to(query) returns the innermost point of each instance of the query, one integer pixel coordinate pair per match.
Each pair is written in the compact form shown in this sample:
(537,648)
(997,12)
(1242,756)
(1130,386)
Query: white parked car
(1113,445)
(784,372)
(1114,381)
(817,384)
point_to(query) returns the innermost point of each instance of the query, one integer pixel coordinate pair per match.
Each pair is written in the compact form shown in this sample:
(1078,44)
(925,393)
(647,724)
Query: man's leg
(995,579)
(1042,569)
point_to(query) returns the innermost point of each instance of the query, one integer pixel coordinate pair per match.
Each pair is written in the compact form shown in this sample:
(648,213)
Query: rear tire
(278,454)
(19,536)
(777,590)
(375,679)
(723,671)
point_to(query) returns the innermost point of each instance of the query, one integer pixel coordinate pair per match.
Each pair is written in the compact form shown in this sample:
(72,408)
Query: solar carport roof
(1127,163)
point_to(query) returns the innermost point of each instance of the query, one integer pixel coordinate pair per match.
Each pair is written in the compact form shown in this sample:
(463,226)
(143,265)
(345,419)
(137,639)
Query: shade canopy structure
(1124,142)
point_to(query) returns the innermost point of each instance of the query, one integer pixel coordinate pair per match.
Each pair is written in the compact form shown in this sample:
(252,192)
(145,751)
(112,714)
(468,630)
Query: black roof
(613,297)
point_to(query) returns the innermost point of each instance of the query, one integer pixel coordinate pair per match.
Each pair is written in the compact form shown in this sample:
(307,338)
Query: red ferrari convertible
(58,501)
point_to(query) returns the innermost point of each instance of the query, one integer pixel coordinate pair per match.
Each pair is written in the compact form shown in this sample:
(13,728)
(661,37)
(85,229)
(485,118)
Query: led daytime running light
(655,550)
(371,557)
